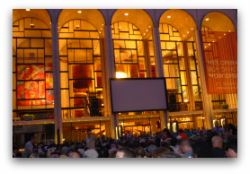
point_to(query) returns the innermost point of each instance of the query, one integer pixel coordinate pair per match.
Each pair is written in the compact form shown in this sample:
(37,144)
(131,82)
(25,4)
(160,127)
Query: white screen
(138,94)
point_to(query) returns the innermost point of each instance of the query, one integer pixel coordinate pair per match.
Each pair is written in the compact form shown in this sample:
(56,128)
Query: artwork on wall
(32,87)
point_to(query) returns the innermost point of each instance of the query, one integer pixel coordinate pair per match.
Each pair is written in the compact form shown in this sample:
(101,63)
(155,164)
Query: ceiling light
(125,14)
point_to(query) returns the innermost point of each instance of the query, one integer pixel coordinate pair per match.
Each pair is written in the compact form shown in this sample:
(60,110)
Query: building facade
(63,61)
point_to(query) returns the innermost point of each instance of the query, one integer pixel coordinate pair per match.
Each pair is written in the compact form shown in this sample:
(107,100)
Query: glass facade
(33,97)
(180,69)
(80,70)
(84,71)
(128,51)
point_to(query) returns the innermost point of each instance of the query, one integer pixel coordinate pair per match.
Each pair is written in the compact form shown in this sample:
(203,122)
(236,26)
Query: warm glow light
(79,11)
(168,16)
(125,14)
(207,19)
(120,75)
(186,100)
(27,9)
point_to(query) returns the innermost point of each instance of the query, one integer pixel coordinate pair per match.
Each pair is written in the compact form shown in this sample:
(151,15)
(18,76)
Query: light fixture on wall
(207,19)
(120,75)
(79,11)
(169,17)
(27,9)
(32,25)
(125,14)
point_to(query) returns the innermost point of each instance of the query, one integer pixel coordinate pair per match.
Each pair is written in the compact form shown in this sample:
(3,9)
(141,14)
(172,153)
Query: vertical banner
(221,64)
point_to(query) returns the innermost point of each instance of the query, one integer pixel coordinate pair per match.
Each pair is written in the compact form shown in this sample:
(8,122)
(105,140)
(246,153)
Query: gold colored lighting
(207,19)
(125,14)
(169,17)
(79,11)
(120,75)
(27,9)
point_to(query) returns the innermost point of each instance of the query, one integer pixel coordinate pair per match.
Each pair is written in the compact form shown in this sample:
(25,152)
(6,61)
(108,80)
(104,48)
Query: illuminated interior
(218,33)
(80,66)
(132,40)
(33,97)
(180,64)
(84,42)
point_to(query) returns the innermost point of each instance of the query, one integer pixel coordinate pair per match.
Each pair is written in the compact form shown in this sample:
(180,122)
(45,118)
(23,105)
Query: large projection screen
(128,95)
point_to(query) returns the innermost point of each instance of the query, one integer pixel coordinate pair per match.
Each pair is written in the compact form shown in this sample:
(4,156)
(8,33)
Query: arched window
(128,51)
(180,64)
(80,69)
(32,66)
(220,54)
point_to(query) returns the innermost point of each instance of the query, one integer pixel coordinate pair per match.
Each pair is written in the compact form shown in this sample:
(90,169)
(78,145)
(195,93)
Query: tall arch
(219,39)
(134,58)
(132,41)
(180,64)
(33,92)
(82,76)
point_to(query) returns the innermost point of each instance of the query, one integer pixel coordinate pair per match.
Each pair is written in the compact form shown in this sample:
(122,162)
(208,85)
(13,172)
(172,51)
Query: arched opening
(133,45)
(81,71)
(33,97)
(180,64)
(134,58)
(219,39)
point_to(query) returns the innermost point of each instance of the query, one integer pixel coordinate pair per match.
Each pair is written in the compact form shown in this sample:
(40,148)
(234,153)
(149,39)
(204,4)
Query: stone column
(56,76)
(206,98)
(110,73)
(159,69)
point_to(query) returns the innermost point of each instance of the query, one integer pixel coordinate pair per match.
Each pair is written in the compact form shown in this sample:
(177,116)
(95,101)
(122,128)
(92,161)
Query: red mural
(32,88)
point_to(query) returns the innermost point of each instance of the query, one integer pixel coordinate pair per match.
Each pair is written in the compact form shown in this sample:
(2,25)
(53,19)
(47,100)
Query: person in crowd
(217,147)
(184,149)
(196,143)
(28,148)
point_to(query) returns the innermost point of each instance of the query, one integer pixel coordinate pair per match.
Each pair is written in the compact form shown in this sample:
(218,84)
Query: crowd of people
(215,143)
